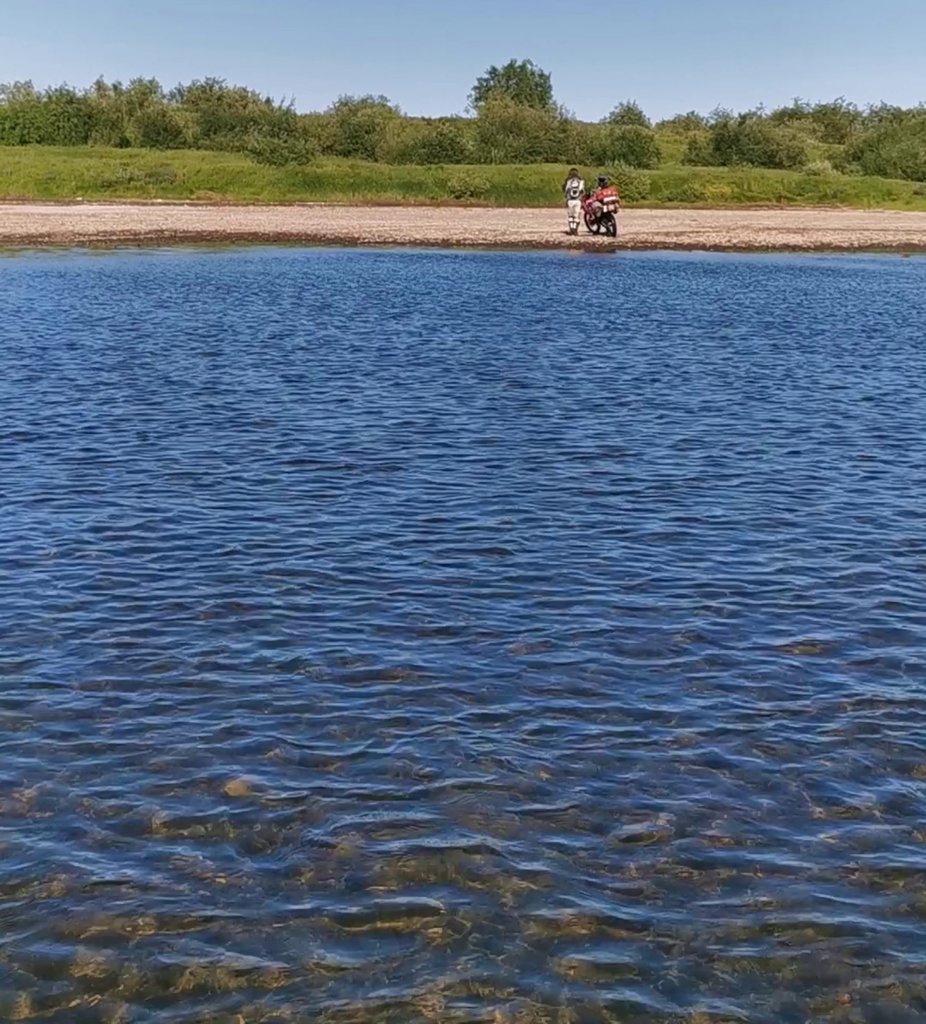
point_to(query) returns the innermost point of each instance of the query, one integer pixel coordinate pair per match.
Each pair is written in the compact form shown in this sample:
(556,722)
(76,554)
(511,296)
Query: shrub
(360,125)
(126,176)
(893,150)
(466,184)
(423,141)
(507,132)
(281,152)
(225,117)
(633,184)
(690,122)
(630,146)
(819,168)
(749,140)
(833,123)
(320,131)
(156,128)
(628,114)
(56,117)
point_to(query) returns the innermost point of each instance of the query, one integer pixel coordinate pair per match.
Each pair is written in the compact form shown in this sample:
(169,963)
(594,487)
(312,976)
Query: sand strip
(155,223)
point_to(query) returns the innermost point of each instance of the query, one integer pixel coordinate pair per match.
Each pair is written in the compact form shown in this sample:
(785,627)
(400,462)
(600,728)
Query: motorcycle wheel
(593,225)
(610,224)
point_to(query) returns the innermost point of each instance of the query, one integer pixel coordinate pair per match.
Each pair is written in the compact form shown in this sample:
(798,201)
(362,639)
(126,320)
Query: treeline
(513,119)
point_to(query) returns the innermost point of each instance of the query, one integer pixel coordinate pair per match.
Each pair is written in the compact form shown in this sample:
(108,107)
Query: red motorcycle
(600,211)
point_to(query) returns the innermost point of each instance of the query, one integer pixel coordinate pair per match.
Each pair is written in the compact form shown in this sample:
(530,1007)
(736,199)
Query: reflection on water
(462,637)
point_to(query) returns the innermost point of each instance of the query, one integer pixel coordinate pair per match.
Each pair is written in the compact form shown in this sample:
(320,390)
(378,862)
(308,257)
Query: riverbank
(788,229)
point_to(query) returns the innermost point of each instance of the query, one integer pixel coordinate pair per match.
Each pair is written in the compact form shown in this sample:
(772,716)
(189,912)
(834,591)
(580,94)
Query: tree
(690,122)
(630,145)
(518,81)
(509,132)
(835,123)
(628,114)
(747,140)
(892,150)
(360,124)
(424,141)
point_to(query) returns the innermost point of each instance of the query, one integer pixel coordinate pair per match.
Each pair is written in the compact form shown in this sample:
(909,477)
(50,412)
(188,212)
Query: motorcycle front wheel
(593,225)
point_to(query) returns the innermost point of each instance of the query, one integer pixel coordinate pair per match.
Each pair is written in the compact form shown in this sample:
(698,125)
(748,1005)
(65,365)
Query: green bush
(437,141)
(320,131)
(633,184)
(682,123)
(139,179)
(281,152)
(157,128)
(56,117)
(893,150)
(834,123)
(631,146)
(360,125)
(226,117)
(507,132)
(747,140)
(819,168)
(628,114)
(465,184)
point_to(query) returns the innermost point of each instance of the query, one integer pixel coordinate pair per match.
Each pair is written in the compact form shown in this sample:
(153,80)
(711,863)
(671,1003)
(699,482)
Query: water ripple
(395,636)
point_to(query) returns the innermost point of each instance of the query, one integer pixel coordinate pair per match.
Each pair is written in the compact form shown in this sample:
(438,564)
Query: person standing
(573,190)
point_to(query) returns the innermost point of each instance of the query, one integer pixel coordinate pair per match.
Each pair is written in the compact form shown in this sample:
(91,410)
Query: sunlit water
(402,636)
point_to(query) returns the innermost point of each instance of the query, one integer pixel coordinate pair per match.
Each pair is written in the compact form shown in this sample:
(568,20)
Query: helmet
(602,180)
(573,173)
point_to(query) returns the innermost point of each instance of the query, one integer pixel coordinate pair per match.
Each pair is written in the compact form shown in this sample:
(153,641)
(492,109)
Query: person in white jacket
(573,190)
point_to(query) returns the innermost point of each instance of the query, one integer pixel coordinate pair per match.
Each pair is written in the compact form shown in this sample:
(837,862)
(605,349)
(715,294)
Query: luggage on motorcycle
(609,198)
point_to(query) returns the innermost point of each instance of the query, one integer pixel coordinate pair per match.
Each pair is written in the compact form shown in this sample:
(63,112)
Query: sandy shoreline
(787,229)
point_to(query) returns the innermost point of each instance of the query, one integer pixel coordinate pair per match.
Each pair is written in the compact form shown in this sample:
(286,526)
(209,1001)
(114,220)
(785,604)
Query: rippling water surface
(400,636)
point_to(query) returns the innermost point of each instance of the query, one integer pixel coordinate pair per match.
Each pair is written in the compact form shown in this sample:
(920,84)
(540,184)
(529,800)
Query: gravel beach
(153,223)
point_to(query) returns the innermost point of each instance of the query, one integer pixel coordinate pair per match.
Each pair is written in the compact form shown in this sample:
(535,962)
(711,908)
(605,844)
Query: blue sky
(669,55)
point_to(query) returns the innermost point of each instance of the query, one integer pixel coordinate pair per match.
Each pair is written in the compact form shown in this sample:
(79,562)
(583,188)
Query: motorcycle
(601,213)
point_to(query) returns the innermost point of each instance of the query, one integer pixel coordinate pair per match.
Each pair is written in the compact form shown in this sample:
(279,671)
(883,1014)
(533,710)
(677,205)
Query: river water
(439,636)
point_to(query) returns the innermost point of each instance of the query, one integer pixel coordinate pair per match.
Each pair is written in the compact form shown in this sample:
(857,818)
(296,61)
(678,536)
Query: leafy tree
(894,149)
(692,121)
(275,151)
(628,114)
(320,131)
(880,114)
(18,92)
(227,116)
(424,141)
(834,123)
(519,81)
(507,132)
(157,127)
(628,145)
(360,124)
(749,140)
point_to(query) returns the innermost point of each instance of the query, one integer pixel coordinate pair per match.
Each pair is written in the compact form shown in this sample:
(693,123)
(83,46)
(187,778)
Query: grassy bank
(51,173)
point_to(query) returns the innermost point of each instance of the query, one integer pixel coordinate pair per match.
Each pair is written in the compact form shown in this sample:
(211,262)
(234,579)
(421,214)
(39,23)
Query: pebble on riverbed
(238,787)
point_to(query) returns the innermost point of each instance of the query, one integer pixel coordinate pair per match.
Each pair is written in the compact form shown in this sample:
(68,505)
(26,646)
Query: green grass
(96,173)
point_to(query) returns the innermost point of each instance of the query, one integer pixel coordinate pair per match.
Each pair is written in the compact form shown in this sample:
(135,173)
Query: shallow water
(402,636)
